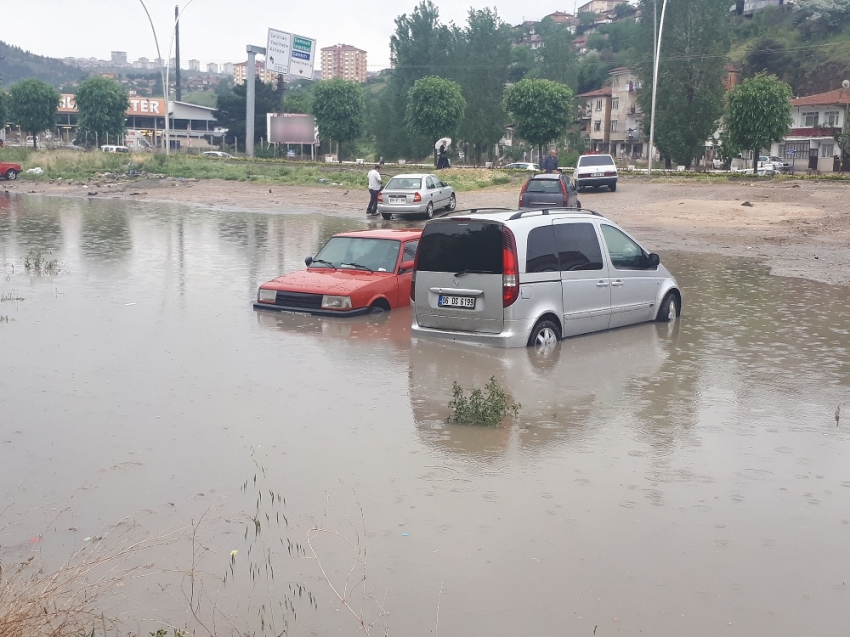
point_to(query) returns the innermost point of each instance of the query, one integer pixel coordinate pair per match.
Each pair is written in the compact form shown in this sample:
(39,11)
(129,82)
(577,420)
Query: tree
(339,108)
(558,59)
(4,109)
(419,47)
(435,107)
(690,92)
(484,55)
(33,106)
(232,105)
(542,110)
(298,100)
(758,113)
(102,105)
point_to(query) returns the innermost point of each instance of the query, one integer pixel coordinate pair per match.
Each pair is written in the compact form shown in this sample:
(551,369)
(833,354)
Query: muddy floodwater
(685,479)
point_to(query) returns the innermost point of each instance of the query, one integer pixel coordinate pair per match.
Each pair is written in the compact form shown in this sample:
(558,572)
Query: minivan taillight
(510,268)
(522,192)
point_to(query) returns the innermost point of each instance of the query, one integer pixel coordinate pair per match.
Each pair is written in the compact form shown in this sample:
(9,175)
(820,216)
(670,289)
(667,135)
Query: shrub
(481,409)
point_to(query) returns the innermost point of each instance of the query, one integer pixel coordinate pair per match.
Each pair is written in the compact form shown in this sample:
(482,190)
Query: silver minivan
(532,277)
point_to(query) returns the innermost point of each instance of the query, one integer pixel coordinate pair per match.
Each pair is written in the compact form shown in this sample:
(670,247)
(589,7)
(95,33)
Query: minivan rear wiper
(462,272)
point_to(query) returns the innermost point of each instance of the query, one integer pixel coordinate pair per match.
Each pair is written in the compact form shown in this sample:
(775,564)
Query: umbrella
(445,140)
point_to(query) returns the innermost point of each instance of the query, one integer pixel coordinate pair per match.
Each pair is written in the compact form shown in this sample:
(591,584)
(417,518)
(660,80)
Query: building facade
(816,121)
(600,6)
(344,61)
(595,118)
(241,70)
(194,65)
(611,119)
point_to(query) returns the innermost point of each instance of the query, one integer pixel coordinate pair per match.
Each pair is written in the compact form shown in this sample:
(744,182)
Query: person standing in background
(375,185)
(550,164)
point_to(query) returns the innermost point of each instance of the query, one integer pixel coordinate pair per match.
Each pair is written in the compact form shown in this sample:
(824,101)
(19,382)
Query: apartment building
(194,65)
(611,118)
(600,6)
(344,61)
(212,67)
(240,70)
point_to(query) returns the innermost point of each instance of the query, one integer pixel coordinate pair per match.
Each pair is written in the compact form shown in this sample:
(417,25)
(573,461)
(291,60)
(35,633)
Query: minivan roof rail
(559,210)
(476,210)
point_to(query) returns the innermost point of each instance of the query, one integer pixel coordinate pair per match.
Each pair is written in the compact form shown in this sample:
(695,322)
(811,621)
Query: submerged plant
(480,408)
(37,263)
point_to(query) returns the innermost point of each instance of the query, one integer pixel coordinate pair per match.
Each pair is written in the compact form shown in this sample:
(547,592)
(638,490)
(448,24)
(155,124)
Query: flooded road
(665,480)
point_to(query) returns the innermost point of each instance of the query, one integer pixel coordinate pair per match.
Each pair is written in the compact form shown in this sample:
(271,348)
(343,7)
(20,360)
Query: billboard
(142,106)
(278,51)
(291,128)
(303,57)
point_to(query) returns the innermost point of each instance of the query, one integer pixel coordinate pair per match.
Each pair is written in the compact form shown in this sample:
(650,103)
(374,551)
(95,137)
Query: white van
(533,277)
(114,149)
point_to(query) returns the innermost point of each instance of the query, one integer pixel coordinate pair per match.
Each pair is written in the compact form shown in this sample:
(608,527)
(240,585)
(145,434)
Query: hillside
(19,64)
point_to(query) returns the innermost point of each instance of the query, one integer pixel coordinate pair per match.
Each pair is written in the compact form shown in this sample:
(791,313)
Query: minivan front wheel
(544,335)
(669,309)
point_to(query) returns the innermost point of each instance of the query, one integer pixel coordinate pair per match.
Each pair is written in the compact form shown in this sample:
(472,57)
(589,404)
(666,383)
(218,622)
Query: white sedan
(521,165)
(415,194)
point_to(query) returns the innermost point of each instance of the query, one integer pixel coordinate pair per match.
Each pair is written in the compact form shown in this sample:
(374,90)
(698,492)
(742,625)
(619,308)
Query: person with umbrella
(442,145)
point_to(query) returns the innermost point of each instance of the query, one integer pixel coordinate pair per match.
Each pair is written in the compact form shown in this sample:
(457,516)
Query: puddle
(670,479)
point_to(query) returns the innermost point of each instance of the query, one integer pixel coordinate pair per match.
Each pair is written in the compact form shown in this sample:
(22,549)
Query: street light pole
(164,68)
(655,86)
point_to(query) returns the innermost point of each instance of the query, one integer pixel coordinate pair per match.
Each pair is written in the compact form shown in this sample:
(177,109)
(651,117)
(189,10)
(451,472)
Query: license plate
(598,174)
(465,302)
(398,199)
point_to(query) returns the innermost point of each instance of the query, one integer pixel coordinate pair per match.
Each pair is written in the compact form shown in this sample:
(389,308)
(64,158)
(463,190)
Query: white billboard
(278,52)
(303,57)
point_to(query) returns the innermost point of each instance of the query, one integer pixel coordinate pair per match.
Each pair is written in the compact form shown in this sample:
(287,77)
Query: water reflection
(693,466)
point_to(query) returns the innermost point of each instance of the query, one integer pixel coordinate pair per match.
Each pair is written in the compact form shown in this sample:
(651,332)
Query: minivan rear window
(595,160)
(461,246)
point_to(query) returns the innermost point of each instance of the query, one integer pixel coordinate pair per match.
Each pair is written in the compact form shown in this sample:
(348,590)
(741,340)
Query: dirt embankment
(800,228)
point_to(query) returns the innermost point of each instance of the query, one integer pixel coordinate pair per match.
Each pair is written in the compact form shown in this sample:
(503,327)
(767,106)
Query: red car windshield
(378,255)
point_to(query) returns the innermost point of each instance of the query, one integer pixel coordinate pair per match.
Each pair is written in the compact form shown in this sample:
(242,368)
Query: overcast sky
(218,30)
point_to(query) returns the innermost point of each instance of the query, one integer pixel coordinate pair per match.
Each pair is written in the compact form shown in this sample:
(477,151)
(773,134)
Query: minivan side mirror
(653,260)
(308,261)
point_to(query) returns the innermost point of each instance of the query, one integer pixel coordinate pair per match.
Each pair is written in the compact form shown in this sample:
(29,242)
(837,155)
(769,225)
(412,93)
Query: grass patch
(481,408)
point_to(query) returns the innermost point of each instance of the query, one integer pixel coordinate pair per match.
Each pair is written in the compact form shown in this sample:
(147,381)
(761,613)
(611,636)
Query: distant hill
(19,64)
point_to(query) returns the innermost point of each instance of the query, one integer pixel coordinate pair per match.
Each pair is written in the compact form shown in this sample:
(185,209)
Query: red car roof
(399,234)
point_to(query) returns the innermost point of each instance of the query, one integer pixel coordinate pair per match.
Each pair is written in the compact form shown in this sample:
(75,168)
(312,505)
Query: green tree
(435,107)
(231,108)
(484,54)
(758,113)
(298,100)
(542,110)
(419,47)
(102,105)
(558,60)
(339,109)
(33,106)
(4,109)
(690,92)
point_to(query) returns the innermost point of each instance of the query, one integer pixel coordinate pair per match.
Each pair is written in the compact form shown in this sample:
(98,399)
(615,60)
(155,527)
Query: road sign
(278,52)
(790,151)
(303,57)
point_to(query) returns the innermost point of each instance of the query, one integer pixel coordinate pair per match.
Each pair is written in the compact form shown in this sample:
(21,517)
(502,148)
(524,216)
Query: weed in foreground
(480,408)
(37,263)
(11,296)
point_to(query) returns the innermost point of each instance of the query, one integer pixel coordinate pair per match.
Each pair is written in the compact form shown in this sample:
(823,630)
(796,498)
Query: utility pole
(250,96)
(178,93)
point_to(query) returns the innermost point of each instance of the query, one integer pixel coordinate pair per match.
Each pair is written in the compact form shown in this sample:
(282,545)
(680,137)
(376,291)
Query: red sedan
(354,273)
(9,171)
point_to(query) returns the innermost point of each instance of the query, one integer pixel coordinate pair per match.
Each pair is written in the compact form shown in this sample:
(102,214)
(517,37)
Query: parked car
(9,171)
(415,194)
(217,153)
(522,165)
(532,277)
(354,273)
(596,171)
(109,148)
(773,161)
(549,191)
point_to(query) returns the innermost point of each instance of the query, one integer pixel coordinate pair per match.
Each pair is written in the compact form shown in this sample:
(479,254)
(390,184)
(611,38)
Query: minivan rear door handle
(616,284)
(602,284)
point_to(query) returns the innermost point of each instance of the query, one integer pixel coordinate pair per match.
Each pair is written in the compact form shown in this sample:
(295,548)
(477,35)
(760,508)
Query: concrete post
(250,94)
